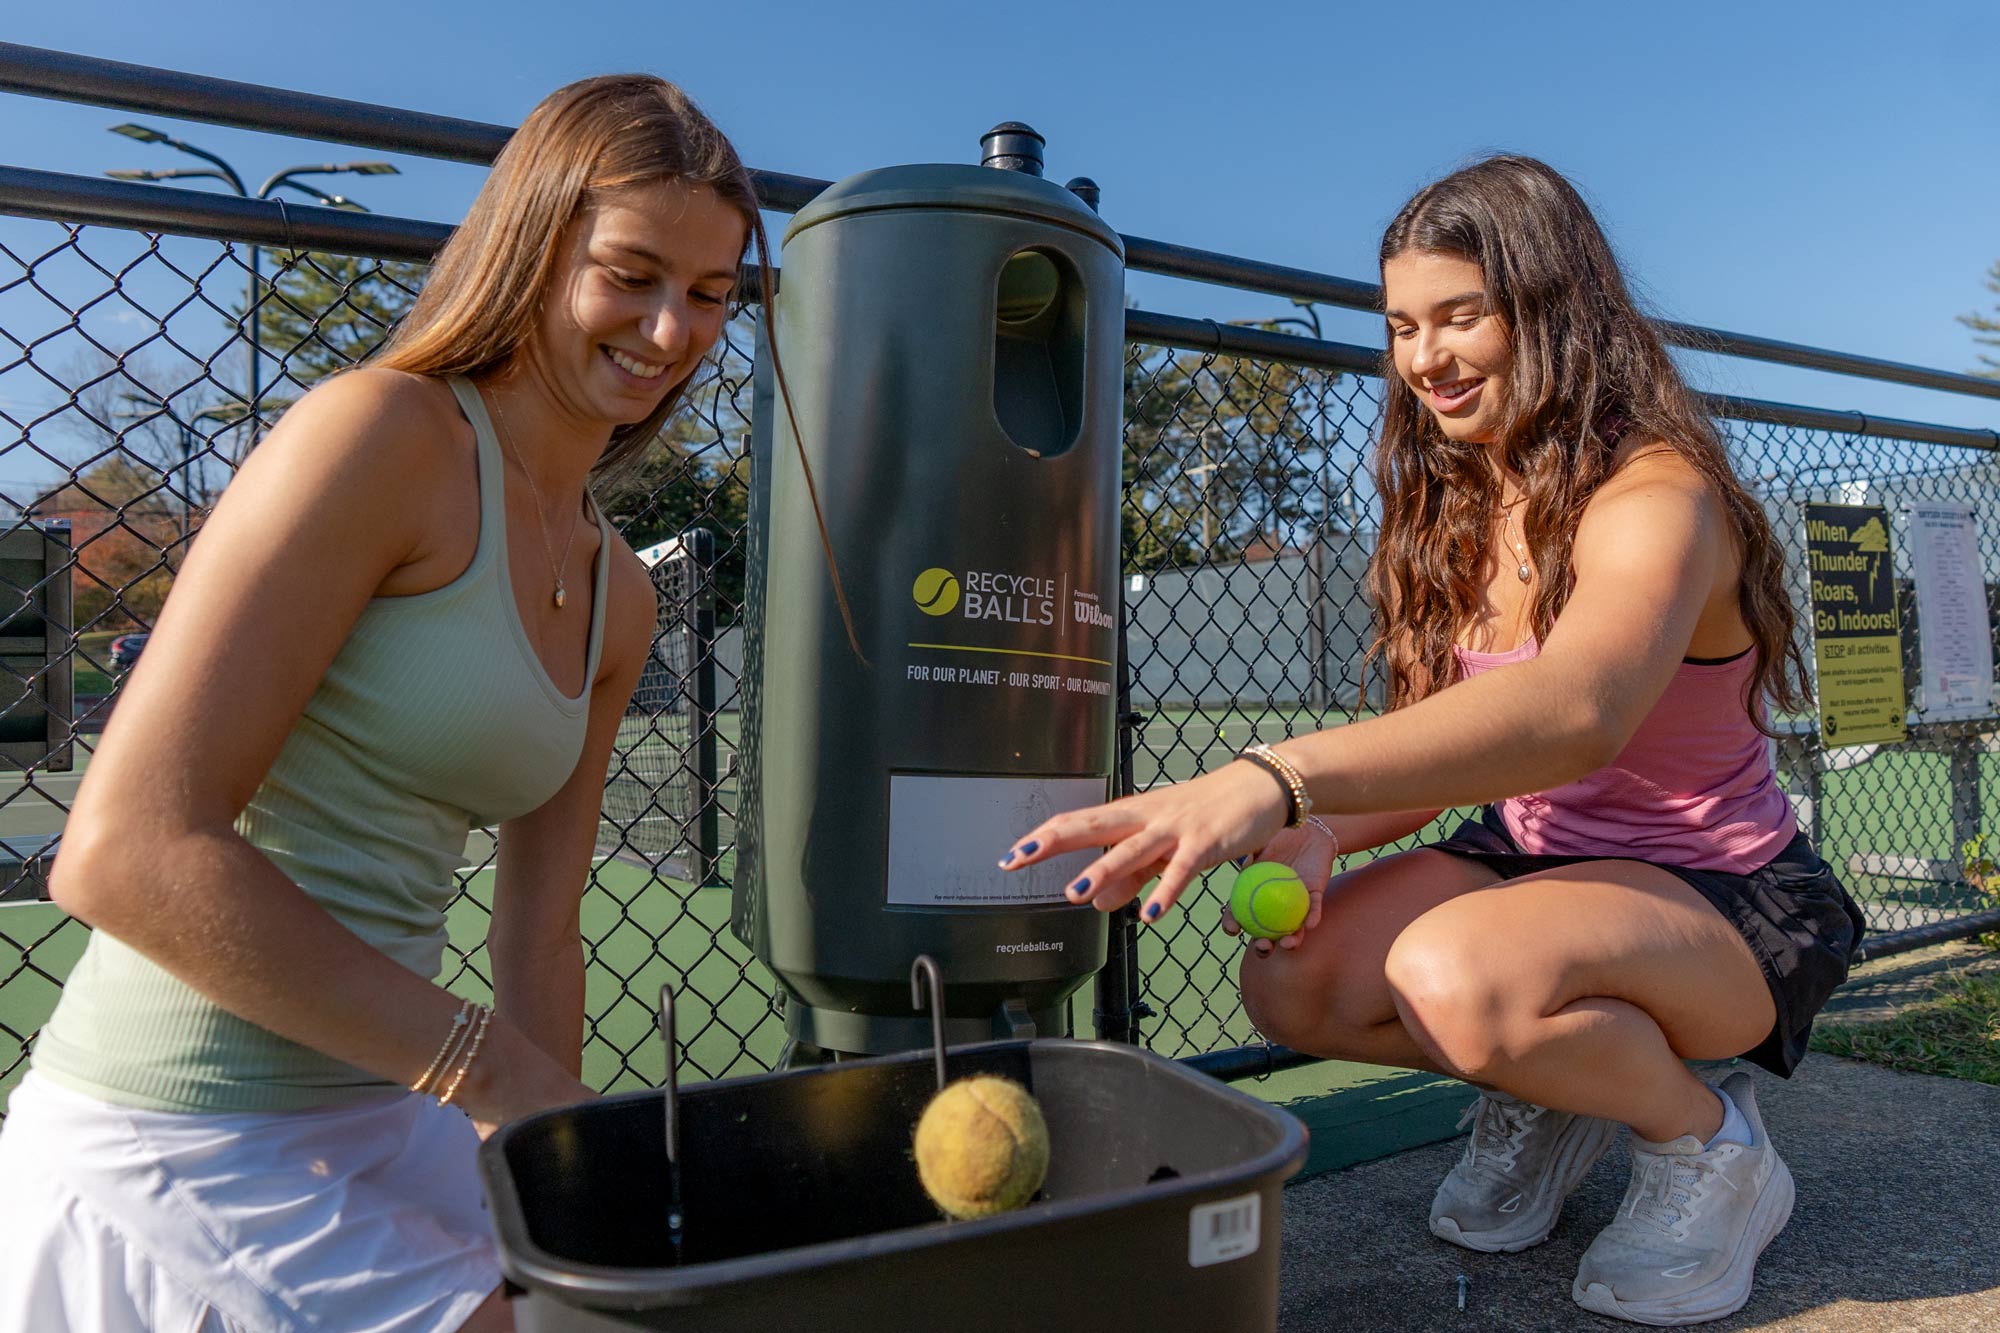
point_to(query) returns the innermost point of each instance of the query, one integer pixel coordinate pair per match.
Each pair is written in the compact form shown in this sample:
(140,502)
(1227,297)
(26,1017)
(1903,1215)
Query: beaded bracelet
(451,1039)
(471,1054)
(1298,801)
(1277,775)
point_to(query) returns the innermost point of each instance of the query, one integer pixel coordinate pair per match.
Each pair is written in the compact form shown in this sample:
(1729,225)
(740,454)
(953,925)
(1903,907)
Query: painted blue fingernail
(1030,848)
(1153,911)
(1007,859)
(1078,889)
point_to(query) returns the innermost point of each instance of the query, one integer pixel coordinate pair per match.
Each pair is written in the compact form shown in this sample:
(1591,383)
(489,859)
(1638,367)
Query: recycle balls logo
(935,591)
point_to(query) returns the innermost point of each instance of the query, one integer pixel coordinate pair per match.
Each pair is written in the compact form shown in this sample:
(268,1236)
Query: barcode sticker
(1219,1232)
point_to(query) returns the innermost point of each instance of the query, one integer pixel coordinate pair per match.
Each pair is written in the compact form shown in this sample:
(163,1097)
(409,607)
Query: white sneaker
(1519,1164)
(1684,1247)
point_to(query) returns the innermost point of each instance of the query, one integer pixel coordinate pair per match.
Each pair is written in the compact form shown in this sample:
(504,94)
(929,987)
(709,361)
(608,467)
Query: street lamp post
(146,406)
(222,171)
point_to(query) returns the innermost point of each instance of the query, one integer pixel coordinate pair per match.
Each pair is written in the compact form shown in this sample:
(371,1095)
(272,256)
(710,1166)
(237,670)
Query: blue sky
(1821,173)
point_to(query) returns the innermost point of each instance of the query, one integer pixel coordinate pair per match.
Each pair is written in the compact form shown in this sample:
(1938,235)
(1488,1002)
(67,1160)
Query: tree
(1986,328)
(1219,453)
(323,312)
(1158,513)
(127,536)
(156,408)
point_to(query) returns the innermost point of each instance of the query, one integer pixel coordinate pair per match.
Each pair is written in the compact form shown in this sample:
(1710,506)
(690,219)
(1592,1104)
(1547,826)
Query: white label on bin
(1219,1232)
(947,835)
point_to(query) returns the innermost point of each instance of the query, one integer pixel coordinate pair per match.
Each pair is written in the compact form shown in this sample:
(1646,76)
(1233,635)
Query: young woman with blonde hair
(1582,612)
(404,618)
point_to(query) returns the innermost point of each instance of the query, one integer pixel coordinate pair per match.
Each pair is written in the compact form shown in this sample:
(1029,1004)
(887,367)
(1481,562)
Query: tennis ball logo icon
(935,591)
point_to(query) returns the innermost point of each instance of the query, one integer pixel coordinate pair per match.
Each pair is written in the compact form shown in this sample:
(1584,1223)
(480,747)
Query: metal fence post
(707,852)
(1316,686)
(1966,815)
(1116,1013)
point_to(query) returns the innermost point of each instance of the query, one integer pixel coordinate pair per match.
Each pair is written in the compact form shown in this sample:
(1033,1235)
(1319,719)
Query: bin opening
(1038,352)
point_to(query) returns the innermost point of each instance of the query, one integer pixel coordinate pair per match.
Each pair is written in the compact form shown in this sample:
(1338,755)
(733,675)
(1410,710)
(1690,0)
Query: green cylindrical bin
(952,340)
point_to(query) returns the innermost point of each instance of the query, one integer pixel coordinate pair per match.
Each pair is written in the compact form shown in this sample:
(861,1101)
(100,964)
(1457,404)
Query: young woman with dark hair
(1582,613)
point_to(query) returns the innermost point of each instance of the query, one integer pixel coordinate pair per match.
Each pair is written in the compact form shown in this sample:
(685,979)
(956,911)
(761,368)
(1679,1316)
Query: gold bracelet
(1276,775)
(1301,802)
(485,1017)
(450,1040)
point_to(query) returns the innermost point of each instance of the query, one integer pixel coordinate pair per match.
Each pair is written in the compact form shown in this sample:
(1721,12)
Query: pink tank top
(1693,787)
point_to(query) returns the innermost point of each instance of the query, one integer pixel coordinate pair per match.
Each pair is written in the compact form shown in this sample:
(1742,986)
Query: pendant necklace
(556,567)
(1520,551)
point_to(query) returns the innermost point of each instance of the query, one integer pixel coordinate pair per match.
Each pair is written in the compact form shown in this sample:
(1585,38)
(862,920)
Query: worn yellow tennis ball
(982,1147)
(1269,900)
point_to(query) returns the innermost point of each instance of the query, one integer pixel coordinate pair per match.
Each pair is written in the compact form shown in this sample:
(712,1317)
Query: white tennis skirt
(364,1218)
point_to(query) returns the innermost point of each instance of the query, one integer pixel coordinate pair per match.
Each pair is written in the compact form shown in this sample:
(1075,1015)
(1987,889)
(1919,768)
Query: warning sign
(1857,638)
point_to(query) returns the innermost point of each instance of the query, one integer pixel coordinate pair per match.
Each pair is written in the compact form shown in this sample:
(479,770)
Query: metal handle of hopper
(672,1103)
(924,973)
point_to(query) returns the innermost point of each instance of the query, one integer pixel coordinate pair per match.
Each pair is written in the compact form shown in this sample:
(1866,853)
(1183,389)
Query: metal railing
(1248,517)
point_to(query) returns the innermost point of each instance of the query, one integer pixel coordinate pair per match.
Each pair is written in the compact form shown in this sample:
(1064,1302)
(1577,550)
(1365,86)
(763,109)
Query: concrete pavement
(1897,1225)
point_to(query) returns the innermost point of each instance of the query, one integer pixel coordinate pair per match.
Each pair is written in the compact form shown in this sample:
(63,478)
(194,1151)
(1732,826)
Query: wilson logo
(1090,613)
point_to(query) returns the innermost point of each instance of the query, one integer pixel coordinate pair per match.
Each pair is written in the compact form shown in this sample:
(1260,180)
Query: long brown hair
(1589,373)
(479,305)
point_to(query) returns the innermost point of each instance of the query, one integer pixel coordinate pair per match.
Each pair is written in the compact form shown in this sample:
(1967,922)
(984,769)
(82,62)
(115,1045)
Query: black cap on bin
(1012,146)
(1084,188)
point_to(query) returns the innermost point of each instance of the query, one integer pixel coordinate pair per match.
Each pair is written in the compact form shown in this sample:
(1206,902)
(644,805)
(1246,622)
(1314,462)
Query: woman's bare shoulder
(364,459)
(1649,475)
(391,413)
(1654,499)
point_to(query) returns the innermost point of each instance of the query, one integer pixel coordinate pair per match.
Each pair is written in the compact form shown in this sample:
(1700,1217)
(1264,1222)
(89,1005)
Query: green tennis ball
(1269,900)
(982,1147)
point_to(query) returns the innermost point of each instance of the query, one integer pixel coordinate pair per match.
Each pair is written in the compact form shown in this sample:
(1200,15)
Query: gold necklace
(1520,552)
(556,567)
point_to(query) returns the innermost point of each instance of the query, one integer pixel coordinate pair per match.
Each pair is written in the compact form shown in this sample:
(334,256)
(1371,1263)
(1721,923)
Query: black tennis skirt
(1798,920)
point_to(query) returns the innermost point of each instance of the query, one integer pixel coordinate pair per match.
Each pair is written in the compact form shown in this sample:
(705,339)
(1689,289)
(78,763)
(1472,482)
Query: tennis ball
(982,1147)
(1269,900)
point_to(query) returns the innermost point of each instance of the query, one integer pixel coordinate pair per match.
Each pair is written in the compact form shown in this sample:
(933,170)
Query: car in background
(125,650)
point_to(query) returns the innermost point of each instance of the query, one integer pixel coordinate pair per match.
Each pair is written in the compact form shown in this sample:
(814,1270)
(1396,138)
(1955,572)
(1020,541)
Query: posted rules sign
(1857,639)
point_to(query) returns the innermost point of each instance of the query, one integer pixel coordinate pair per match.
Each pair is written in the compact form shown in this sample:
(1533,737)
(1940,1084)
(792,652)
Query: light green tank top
(435,717)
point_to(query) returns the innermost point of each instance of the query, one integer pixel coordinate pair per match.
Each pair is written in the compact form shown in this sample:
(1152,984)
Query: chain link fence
(138,369)
(1249,524)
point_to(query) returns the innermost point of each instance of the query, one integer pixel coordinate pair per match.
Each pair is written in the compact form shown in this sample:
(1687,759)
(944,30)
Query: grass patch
(1955,1032)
